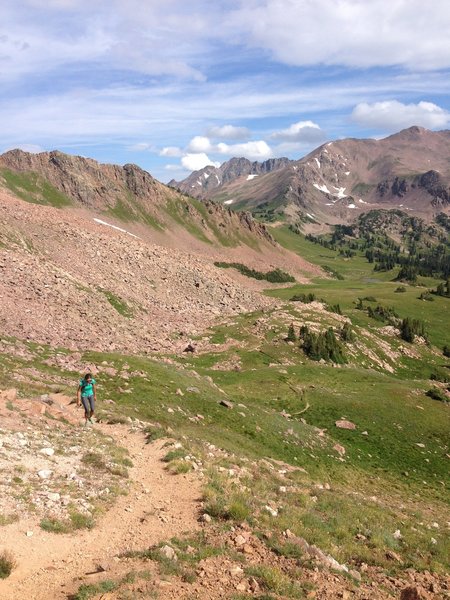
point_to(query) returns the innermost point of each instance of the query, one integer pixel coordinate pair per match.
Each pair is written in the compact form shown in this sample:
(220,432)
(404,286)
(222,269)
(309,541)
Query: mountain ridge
(337,180)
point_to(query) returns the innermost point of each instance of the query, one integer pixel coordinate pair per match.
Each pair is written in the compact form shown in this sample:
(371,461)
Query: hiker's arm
(94,391)
(79,395)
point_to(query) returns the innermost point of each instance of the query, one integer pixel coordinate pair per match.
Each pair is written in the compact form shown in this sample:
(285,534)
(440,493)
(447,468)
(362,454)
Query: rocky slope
(67,280)
(128,193)
(409,170)
(105,257)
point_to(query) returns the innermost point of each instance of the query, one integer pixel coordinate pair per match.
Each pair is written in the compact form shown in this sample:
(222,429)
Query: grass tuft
(7,564)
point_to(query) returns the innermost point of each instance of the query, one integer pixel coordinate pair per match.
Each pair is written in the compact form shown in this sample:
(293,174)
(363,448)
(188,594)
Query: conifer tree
(291,336)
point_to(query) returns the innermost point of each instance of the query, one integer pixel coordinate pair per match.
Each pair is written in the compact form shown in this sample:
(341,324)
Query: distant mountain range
(409,170)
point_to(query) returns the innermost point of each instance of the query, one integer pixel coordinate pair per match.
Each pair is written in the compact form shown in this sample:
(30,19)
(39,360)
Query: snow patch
(199,182)
(329,204)
(252,176)
(329,144)
(229,201)
(310,215)
(340,192)
(206,175)
(347,172)
(318,162)
(115,227)
(362,201)
(351,205)
(322,188)
(218,180)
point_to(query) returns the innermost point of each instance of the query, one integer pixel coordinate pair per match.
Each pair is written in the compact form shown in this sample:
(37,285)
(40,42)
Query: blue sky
(173,85)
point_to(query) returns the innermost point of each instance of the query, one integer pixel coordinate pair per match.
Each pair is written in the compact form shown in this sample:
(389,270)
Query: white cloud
(171,151)
(195,162)
(392,115)
(199,143)
(139,147)
(229,132)
(354,33)
(303,131)
(257,150)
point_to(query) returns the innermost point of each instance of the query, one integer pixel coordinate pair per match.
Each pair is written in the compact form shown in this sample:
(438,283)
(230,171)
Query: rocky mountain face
(333,184)
(128,193)
(105,257)
(209,180)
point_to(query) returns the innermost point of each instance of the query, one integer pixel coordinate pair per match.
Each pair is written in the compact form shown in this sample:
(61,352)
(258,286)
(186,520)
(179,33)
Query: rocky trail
(158,506)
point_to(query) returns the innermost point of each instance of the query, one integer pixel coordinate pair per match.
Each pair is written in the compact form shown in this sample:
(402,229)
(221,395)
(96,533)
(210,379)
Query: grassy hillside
(260,420)
(359,280)
(388,474)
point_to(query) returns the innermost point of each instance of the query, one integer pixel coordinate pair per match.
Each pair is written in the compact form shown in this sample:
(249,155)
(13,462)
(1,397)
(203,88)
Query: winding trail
(158,506)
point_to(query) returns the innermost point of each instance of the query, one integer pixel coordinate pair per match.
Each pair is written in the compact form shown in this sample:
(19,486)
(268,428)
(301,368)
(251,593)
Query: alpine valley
(270,344)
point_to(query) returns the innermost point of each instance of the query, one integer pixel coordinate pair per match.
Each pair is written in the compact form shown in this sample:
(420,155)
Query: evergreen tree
(291,336)
(347,334)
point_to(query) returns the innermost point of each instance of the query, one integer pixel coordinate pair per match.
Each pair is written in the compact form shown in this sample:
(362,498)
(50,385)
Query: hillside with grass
(262,431)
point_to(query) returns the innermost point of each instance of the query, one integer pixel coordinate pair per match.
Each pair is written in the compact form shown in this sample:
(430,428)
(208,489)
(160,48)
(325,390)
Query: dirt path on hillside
(158,507)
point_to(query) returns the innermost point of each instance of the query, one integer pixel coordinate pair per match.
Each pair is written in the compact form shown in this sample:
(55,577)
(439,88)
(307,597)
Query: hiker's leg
(92,406)
(86,407)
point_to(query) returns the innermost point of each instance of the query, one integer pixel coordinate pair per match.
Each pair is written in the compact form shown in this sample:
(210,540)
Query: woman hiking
(87,396)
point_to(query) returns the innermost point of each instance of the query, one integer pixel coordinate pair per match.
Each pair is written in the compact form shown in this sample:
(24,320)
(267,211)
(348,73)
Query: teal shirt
(87,388)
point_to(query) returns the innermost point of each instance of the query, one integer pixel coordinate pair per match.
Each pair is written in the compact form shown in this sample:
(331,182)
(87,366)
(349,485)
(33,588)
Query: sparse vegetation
(437,394)
(7,564)
(274,276)
(87,591)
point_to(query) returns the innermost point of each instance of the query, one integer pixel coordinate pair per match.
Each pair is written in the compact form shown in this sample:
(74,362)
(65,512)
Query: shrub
(333,272)
(347,334)
(54,525)
(400,289)
(382,313)
(437,394)
(426,296)
(407,273)
(7,564)
(334,308)
(305,298)
(446,351)
(322,345)
(87,591)
(274,276)
(291,336)
(409,328)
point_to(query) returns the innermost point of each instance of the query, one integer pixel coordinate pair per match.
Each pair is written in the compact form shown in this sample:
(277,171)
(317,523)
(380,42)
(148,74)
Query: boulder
(345,424)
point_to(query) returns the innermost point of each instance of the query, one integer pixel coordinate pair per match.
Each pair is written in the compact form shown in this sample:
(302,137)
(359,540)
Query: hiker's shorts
(88,404)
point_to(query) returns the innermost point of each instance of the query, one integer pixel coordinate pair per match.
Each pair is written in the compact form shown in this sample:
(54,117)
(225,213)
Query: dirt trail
(158,507)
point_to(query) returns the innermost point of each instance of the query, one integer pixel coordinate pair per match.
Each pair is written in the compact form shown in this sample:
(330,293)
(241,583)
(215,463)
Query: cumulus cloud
(257,150)
(229,132)
(195,162)
(303,131)
(392,115)
(349,32)
(199,143)
(171,151)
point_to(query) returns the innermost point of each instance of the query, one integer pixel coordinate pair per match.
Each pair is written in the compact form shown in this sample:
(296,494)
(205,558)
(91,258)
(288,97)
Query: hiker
(87,396)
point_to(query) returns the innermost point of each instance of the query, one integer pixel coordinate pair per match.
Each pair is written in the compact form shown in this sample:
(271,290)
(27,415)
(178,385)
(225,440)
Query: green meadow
(346,490)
